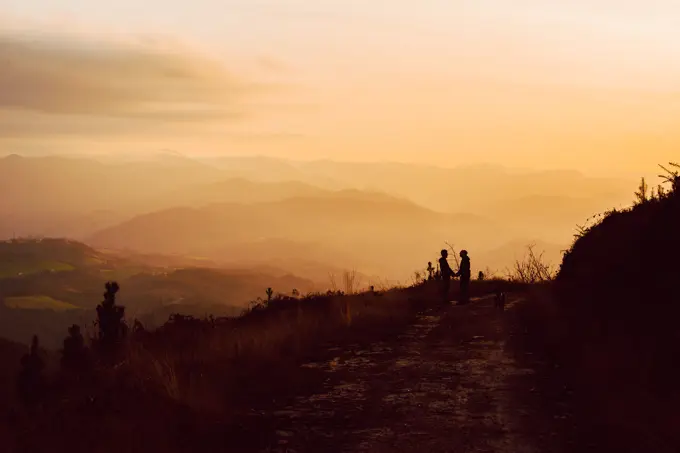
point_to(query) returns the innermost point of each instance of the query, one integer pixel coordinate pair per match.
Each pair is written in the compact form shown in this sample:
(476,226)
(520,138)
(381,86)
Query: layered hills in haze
(198,236)
(379,218)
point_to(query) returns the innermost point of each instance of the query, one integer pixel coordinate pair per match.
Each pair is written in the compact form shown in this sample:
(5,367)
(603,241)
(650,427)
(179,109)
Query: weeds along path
(445,385)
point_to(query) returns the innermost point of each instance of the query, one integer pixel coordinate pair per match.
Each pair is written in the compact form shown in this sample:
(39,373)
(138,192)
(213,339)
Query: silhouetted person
(464,274)
(31,382)
(446,275)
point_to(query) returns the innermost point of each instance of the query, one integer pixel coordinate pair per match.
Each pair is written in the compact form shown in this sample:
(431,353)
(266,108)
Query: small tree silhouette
(641,195)
(31,382)
(270,293)
(74,355)
(110,318)
(480,276)
(430,271)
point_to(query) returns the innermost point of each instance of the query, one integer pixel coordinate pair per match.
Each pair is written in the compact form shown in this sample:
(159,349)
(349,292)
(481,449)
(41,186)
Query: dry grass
(351,282)
(195,371)
(203,363)
(532,268)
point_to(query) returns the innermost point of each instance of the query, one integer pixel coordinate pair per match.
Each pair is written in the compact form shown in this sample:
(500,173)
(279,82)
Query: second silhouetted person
(464,274)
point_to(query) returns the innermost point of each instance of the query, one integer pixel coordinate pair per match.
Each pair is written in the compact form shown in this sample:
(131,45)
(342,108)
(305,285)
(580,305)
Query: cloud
(76,81)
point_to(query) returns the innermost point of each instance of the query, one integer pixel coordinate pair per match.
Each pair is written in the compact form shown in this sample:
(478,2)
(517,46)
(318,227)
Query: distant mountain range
(41,195)
(379,235)
(372,216)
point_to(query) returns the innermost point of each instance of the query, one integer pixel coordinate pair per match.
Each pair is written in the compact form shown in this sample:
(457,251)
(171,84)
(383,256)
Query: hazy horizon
(590,87)
(383,218)
(650,171)
(513,122)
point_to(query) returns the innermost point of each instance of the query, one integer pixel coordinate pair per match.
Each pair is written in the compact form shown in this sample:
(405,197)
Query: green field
(15,269)
(38,303)
(122,273)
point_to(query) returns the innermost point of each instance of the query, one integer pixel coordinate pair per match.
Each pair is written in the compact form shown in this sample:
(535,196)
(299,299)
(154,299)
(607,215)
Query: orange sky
(593,85)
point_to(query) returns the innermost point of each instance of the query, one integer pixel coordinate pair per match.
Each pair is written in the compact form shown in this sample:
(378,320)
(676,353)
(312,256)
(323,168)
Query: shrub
(531,269)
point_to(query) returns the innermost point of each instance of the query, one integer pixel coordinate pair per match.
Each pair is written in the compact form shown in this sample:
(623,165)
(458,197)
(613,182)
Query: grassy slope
(28,302)
(17,268)
(27,257)
(38,303)
(190,373)
(610,321)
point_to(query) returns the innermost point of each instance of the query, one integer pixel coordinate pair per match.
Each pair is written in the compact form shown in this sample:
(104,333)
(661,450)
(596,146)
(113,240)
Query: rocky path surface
(448,384)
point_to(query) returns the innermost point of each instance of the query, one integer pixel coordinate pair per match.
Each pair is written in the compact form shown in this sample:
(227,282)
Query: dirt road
(447,384)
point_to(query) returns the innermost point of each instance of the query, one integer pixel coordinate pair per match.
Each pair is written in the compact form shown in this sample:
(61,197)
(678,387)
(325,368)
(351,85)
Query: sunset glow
(522,83)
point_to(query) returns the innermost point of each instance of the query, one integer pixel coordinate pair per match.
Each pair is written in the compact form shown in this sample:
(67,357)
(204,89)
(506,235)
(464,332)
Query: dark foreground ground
(458,379)
(452,382)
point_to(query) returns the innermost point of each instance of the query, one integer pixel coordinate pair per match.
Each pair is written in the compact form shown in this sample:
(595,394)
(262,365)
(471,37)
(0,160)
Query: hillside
(50,284)
(204,289)
(50,304)
(24,257)
(544,205)
(611,321)
(377,235)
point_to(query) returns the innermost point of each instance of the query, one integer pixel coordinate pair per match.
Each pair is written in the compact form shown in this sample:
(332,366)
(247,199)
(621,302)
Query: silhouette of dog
(499,302)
